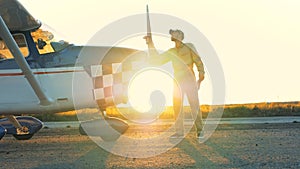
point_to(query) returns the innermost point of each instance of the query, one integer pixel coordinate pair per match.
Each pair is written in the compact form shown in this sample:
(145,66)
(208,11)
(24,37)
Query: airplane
(37,74)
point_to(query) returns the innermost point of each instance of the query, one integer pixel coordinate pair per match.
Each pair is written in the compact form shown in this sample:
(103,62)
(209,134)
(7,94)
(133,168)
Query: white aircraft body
(39,75)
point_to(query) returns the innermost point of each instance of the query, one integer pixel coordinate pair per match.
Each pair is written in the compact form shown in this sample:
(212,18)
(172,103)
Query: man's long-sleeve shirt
(181,58)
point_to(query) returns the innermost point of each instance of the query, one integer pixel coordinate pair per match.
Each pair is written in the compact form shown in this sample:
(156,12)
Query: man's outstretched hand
(149,41)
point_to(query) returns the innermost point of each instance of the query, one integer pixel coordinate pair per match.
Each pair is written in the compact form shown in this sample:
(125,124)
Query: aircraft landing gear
(23,137)
(21,127)
(2,132)
(108,128)
(22,133)
(21,130)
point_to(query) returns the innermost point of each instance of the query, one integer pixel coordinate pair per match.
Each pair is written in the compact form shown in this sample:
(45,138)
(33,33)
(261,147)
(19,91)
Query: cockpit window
(46,41)
(42,40)
(21,42)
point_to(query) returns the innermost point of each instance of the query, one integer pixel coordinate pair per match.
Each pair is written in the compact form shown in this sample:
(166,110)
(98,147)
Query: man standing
(183,56)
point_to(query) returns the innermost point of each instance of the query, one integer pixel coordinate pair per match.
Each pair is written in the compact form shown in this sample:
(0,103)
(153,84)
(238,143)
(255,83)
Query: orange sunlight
(150,86)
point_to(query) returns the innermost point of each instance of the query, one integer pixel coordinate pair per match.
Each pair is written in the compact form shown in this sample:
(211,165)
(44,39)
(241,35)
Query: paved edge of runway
(246,120)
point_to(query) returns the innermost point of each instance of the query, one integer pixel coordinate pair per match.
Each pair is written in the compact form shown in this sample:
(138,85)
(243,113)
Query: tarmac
(244,144)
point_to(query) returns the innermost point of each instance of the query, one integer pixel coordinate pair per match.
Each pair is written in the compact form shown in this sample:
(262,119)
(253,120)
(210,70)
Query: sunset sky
(257,41)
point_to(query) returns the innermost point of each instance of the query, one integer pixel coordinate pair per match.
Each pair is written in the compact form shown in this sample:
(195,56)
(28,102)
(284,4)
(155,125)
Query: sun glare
(150,90)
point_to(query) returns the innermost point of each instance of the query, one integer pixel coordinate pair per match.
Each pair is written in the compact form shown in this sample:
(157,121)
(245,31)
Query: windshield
(48,40)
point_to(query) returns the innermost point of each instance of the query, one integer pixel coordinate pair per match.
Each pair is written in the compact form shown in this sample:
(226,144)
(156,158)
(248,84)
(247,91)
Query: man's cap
(177,34)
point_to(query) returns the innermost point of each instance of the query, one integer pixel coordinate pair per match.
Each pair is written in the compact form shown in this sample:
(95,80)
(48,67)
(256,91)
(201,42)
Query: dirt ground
(231,146)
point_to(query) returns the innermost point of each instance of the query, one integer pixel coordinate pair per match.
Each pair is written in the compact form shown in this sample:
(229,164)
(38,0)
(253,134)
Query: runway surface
(243,145)
(248,120)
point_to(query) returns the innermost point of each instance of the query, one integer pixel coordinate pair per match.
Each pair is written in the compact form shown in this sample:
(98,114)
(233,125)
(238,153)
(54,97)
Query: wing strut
(22,63)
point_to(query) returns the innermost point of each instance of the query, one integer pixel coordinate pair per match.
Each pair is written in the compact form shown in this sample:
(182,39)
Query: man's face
(173,39)
(176,35)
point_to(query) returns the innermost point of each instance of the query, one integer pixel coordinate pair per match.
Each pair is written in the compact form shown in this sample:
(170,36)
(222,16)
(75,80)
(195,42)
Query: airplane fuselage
(55,71)
(40,75)
(19,97)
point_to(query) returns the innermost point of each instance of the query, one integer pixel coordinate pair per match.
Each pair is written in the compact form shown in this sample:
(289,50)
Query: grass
(233,110)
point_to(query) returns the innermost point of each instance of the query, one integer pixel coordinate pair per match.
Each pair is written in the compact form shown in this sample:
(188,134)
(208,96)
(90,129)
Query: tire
(81,130)
(23,137)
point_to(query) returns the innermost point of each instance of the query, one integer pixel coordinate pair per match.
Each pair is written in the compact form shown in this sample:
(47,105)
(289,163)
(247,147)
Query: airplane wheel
(23,137)
(81,130)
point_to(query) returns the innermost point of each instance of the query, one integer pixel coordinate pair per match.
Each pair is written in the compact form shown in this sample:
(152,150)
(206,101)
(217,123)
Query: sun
(150,90)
